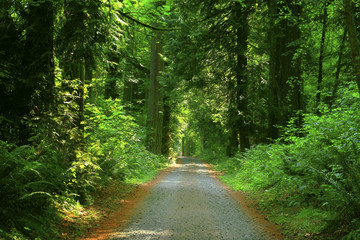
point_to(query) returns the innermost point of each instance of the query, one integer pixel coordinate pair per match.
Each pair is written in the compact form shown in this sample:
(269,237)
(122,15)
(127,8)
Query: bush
(117,142)
(62,161)
(26,191)
(320,169)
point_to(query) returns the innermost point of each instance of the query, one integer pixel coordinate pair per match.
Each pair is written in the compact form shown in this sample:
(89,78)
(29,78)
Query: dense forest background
(96,91)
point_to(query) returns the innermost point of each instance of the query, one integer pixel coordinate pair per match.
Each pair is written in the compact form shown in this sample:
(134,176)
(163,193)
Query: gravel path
(189,203)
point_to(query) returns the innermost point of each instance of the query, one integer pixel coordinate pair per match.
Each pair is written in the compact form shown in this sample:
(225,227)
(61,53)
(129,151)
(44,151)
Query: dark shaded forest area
(97,92)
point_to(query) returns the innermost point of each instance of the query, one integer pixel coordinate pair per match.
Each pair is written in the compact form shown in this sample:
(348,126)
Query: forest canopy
(97,91)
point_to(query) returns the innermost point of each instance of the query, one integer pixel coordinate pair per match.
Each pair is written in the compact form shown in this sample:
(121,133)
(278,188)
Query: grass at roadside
(78,219)
(298,220)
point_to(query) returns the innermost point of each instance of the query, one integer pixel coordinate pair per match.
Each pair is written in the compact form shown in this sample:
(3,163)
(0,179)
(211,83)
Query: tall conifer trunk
(39,71)
(40,46)
(110,85)
(285,84)
(242,33)
(338,69)
(321,56)
(238,110)
(155,117)
(165,148)
(353,39)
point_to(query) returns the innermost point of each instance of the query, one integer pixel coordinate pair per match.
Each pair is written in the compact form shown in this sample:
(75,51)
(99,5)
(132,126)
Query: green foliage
(352,235)
(117,142)
(58,148)
(83,28)
(319,171)
(60,164)
(65,139)
(26,188)
(83,176)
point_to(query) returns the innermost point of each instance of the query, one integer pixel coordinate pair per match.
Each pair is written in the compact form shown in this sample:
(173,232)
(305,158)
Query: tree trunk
(132,94)
(353,40)
(274,90)
(242,33)
(38,93)
(155,117)
(183,146)
(233,144)
(81,99)
(285,84)
(187,147)
(110,84)
(165,148)
(338,69)
(321,57)
(238,110)
(40,46)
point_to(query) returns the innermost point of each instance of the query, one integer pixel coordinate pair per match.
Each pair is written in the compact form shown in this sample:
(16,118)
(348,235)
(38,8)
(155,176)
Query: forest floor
(183,202)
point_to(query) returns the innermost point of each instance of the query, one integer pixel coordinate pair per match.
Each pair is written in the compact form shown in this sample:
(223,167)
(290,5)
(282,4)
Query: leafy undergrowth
(309,180)
(62,180)
(297,222)
(78,219)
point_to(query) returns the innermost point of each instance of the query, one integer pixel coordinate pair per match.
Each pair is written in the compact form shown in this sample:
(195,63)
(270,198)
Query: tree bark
(40,46)
(353,40)
(321,57)
(110,85)
(238,110)
(285,84)
(233,144)
(274,89)
(242,33)
(81,99)
(338,69)
(165,148)
(155,117)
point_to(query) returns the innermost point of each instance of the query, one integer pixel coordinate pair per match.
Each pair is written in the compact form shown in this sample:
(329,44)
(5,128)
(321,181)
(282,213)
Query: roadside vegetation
(95,93)
(308,180)
(75,135)
(53,182)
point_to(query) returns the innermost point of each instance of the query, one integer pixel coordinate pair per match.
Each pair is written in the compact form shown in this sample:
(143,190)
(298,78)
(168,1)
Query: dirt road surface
(190,203)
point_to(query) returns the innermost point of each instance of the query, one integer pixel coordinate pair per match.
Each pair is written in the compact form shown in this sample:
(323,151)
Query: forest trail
(191,203)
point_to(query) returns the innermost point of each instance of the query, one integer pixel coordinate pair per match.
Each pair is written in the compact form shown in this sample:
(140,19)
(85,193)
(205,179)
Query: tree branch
(146,25)
(134,62)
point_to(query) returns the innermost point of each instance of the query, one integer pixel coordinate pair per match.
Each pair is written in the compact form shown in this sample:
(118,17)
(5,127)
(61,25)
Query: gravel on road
(190,203)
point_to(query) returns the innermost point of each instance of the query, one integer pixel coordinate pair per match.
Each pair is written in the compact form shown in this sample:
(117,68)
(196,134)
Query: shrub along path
(188,202)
